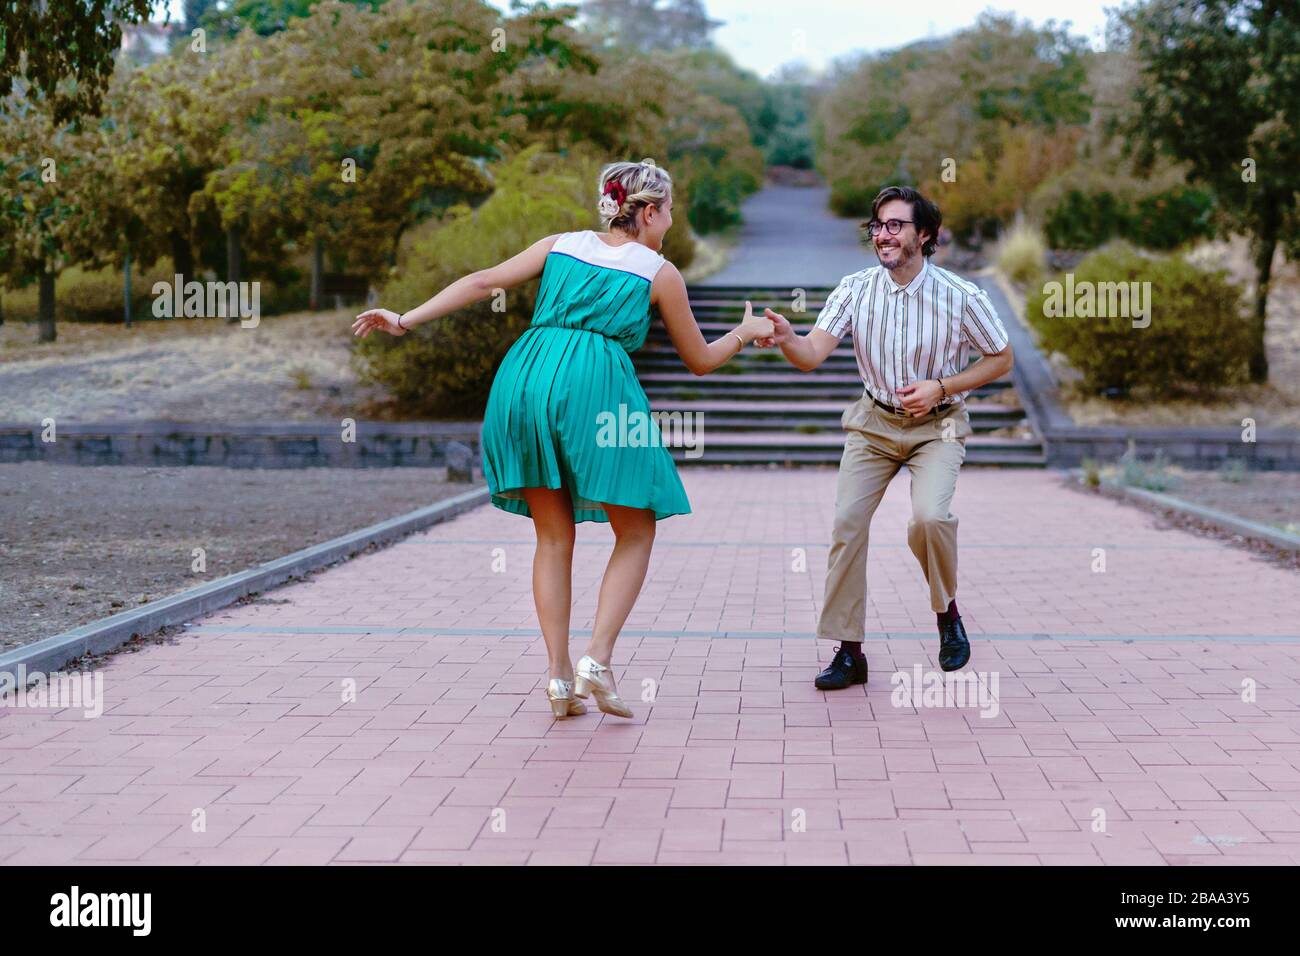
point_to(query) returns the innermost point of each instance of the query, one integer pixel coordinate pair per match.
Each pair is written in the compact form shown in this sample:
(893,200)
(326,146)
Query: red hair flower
(613,198)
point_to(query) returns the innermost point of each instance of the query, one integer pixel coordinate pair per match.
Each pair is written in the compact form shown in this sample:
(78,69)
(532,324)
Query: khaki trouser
(877,443)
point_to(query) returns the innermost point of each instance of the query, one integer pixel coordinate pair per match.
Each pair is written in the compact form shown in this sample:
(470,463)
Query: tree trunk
(317,270)
(126,290)
(2,309)
(232,262)
(232,254)
(182,256)
(1264,250)
(45,331)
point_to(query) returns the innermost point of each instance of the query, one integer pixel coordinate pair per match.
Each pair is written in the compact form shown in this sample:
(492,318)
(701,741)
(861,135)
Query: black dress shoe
(954,649)
(845,669)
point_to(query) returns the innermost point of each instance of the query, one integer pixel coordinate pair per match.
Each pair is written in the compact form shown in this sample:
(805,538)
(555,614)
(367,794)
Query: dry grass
(294,367)
(1022,255)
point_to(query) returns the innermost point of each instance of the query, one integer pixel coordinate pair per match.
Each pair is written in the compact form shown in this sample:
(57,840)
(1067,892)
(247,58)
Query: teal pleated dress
(566,409)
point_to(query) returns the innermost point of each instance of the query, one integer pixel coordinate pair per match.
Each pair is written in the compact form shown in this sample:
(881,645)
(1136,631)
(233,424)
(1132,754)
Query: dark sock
(853,647)
(950,615)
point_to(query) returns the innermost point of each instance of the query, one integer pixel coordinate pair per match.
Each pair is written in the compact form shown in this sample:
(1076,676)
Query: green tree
(47,203)
(351,125)
(1219,89)
(986,97)
(48,42)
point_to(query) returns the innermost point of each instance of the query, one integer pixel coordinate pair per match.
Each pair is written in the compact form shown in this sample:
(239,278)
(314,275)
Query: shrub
(715,202)
(1091,473)
(1153,475)
(1022,255)
(852,199)
(1168,219)
(1085,220)
(91,295)
(95,295)
(1197,337)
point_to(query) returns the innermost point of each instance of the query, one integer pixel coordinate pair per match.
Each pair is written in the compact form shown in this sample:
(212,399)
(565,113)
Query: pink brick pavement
(448,753)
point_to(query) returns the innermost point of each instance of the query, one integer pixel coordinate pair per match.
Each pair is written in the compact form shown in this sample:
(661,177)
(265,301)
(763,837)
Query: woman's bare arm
(464,291)
(668,292)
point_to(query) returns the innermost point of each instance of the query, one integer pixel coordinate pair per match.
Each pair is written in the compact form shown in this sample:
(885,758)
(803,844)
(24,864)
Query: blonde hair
(644,183)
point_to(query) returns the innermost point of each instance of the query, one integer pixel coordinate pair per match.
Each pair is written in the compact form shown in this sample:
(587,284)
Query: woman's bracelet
(943,389)
(399,322)
(738,339)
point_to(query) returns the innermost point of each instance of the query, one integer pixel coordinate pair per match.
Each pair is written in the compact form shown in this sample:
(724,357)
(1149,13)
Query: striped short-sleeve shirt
(902,334)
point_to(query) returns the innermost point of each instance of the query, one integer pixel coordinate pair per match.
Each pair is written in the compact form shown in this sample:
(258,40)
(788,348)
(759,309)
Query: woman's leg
(634,536)
(552,514)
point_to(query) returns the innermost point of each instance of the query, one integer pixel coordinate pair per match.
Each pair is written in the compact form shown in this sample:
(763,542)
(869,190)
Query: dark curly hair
(925,214)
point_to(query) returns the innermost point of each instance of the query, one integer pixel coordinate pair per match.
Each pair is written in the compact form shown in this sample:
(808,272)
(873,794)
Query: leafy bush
(91,295)
(95,295)
(1168,219)
(1197,337)
(1086,220)
(1022,255)
(715,201)
(850,199)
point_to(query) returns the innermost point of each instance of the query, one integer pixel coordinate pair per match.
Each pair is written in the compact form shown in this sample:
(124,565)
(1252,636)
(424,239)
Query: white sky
(764,34)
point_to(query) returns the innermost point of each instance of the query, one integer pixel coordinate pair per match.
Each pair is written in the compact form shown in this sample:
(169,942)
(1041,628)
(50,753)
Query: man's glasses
(893,226)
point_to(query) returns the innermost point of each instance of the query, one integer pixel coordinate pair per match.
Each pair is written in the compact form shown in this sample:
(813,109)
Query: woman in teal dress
(556,443)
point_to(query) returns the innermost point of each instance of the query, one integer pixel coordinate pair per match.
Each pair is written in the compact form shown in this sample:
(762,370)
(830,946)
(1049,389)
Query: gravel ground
(1269,497)
(79,543)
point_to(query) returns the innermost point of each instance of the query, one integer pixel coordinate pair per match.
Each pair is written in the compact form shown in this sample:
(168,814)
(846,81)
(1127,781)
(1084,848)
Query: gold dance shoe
(563,703)
(595,678)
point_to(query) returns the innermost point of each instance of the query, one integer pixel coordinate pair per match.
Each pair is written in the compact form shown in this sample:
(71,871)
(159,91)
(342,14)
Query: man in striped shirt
(915,328)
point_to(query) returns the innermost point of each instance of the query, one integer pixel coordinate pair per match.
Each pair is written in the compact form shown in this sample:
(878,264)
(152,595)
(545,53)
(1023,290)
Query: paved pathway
(1119,704)
(790,237)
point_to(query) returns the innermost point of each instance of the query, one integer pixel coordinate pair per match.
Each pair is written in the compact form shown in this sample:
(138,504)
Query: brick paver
(1121,731)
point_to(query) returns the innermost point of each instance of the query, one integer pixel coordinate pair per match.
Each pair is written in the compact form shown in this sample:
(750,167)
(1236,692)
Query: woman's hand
(783,332)
(752,327)
(381,319)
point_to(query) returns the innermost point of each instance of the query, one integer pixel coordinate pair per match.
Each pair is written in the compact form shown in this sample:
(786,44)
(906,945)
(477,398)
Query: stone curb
(51,653)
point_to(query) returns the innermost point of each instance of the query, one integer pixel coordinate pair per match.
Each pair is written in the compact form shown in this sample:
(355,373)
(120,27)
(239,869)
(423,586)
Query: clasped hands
(918,398)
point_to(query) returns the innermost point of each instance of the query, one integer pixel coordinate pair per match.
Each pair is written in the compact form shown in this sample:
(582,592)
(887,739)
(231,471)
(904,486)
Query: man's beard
(905,255)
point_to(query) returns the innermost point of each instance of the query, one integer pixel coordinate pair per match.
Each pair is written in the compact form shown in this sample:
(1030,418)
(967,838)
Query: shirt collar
(917,280)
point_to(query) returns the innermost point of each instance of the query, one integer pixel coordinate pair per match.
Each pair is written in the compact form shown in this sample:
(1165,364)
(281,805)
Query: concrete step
(827,385)
(668,360)
(782,447)
(759,415)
